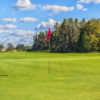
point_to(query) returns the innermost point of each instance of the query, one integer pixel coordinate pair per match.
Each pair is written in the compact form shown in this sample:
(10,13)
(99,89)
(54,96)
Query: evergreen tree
(71,36)
(76,22)
(83,20)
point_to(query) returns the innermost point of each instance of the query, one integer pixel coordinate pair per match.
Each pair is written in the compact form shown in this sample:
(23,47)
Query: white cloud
(16,40)
(46,25)
(79,6)
(28,19)
(27,40)
(84,9)
(9,26)
(87,20)
(17,32)
(5,31)
(13,12)
(39,5)
(57,9)
(24,5)
(51,14)
(88,1)
(23,33)
(16,37)
(3,8)
(8,20)
(2,39)
(1,27)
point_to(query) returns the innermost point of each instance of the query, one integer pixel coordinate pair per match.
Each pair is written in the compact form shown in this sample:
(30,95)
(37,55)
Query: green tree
(28,47)
(20,47)
(56,26)
(71,36)
(10,45)
(80,43)
(99,45)
(1,46)
(74,39)
(76,22)
(63,36)
(35,46)
(83,20)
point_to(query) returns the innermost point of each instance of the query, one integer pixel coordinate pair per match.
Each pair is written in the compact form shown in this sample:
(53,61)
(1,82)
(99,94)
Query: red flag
(48,35)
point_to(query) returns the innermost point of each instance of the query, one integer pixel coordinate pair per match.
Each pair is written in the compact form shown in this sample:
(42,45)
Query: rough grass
(24,76)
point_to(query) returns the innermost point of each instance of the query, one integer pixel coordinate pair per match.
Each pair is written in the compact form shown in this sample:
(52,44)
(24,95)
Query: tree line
(71,36)
(19,47)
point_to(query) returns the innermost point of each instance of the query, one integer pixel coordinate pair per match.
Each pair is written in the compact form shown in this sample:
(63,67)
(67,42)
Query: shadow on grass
(39,51)
(3,75)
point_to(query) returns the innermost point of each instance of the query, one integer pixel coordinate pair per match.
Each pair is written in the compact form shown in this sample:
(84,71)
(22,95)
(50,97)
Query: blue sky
(20,20)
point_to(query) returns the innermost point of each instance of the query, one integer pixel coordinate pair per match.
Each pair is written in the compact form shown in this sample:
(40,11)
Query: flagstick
(49,58)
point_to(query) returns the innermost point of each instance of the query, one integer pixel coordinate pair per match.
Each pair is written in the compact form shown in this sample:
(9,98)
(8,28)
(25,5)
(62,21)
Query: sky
(20,20)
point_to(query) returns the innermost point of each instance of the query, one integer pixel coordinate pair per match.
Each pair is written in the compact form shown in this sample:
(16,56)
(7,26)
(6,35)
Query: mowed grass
(73,76)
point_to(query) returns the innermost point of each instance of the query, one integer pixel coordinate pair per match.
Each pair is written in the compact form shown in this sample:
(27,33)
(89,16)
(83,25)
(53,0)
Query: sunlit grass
(24,76)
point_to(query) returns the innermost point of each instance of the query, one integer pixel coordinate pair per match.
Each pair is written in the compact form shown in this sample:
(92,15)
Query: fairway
(74,76)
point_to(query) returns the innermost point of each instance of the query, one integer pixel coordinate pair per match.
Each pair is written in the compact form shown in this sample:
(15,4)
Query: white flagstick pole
(49,58)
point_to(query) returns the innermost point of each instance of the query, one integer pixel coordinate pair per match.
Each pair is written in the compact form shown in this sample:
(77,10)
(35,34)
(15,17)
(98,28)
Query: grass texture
(73,76)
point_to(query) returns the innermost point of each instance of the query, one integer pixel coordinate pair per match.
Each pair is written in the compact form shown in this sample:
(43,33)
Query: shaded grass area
(24,76)
(37,55)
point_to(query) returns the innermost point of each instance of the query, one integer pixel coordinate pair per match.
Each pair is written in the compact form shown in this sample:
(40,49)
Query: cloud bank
(45,25)
(57,9)
(8,20)
(79,6)
(7,27)
(28,19)
(88,1)
(24,5)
